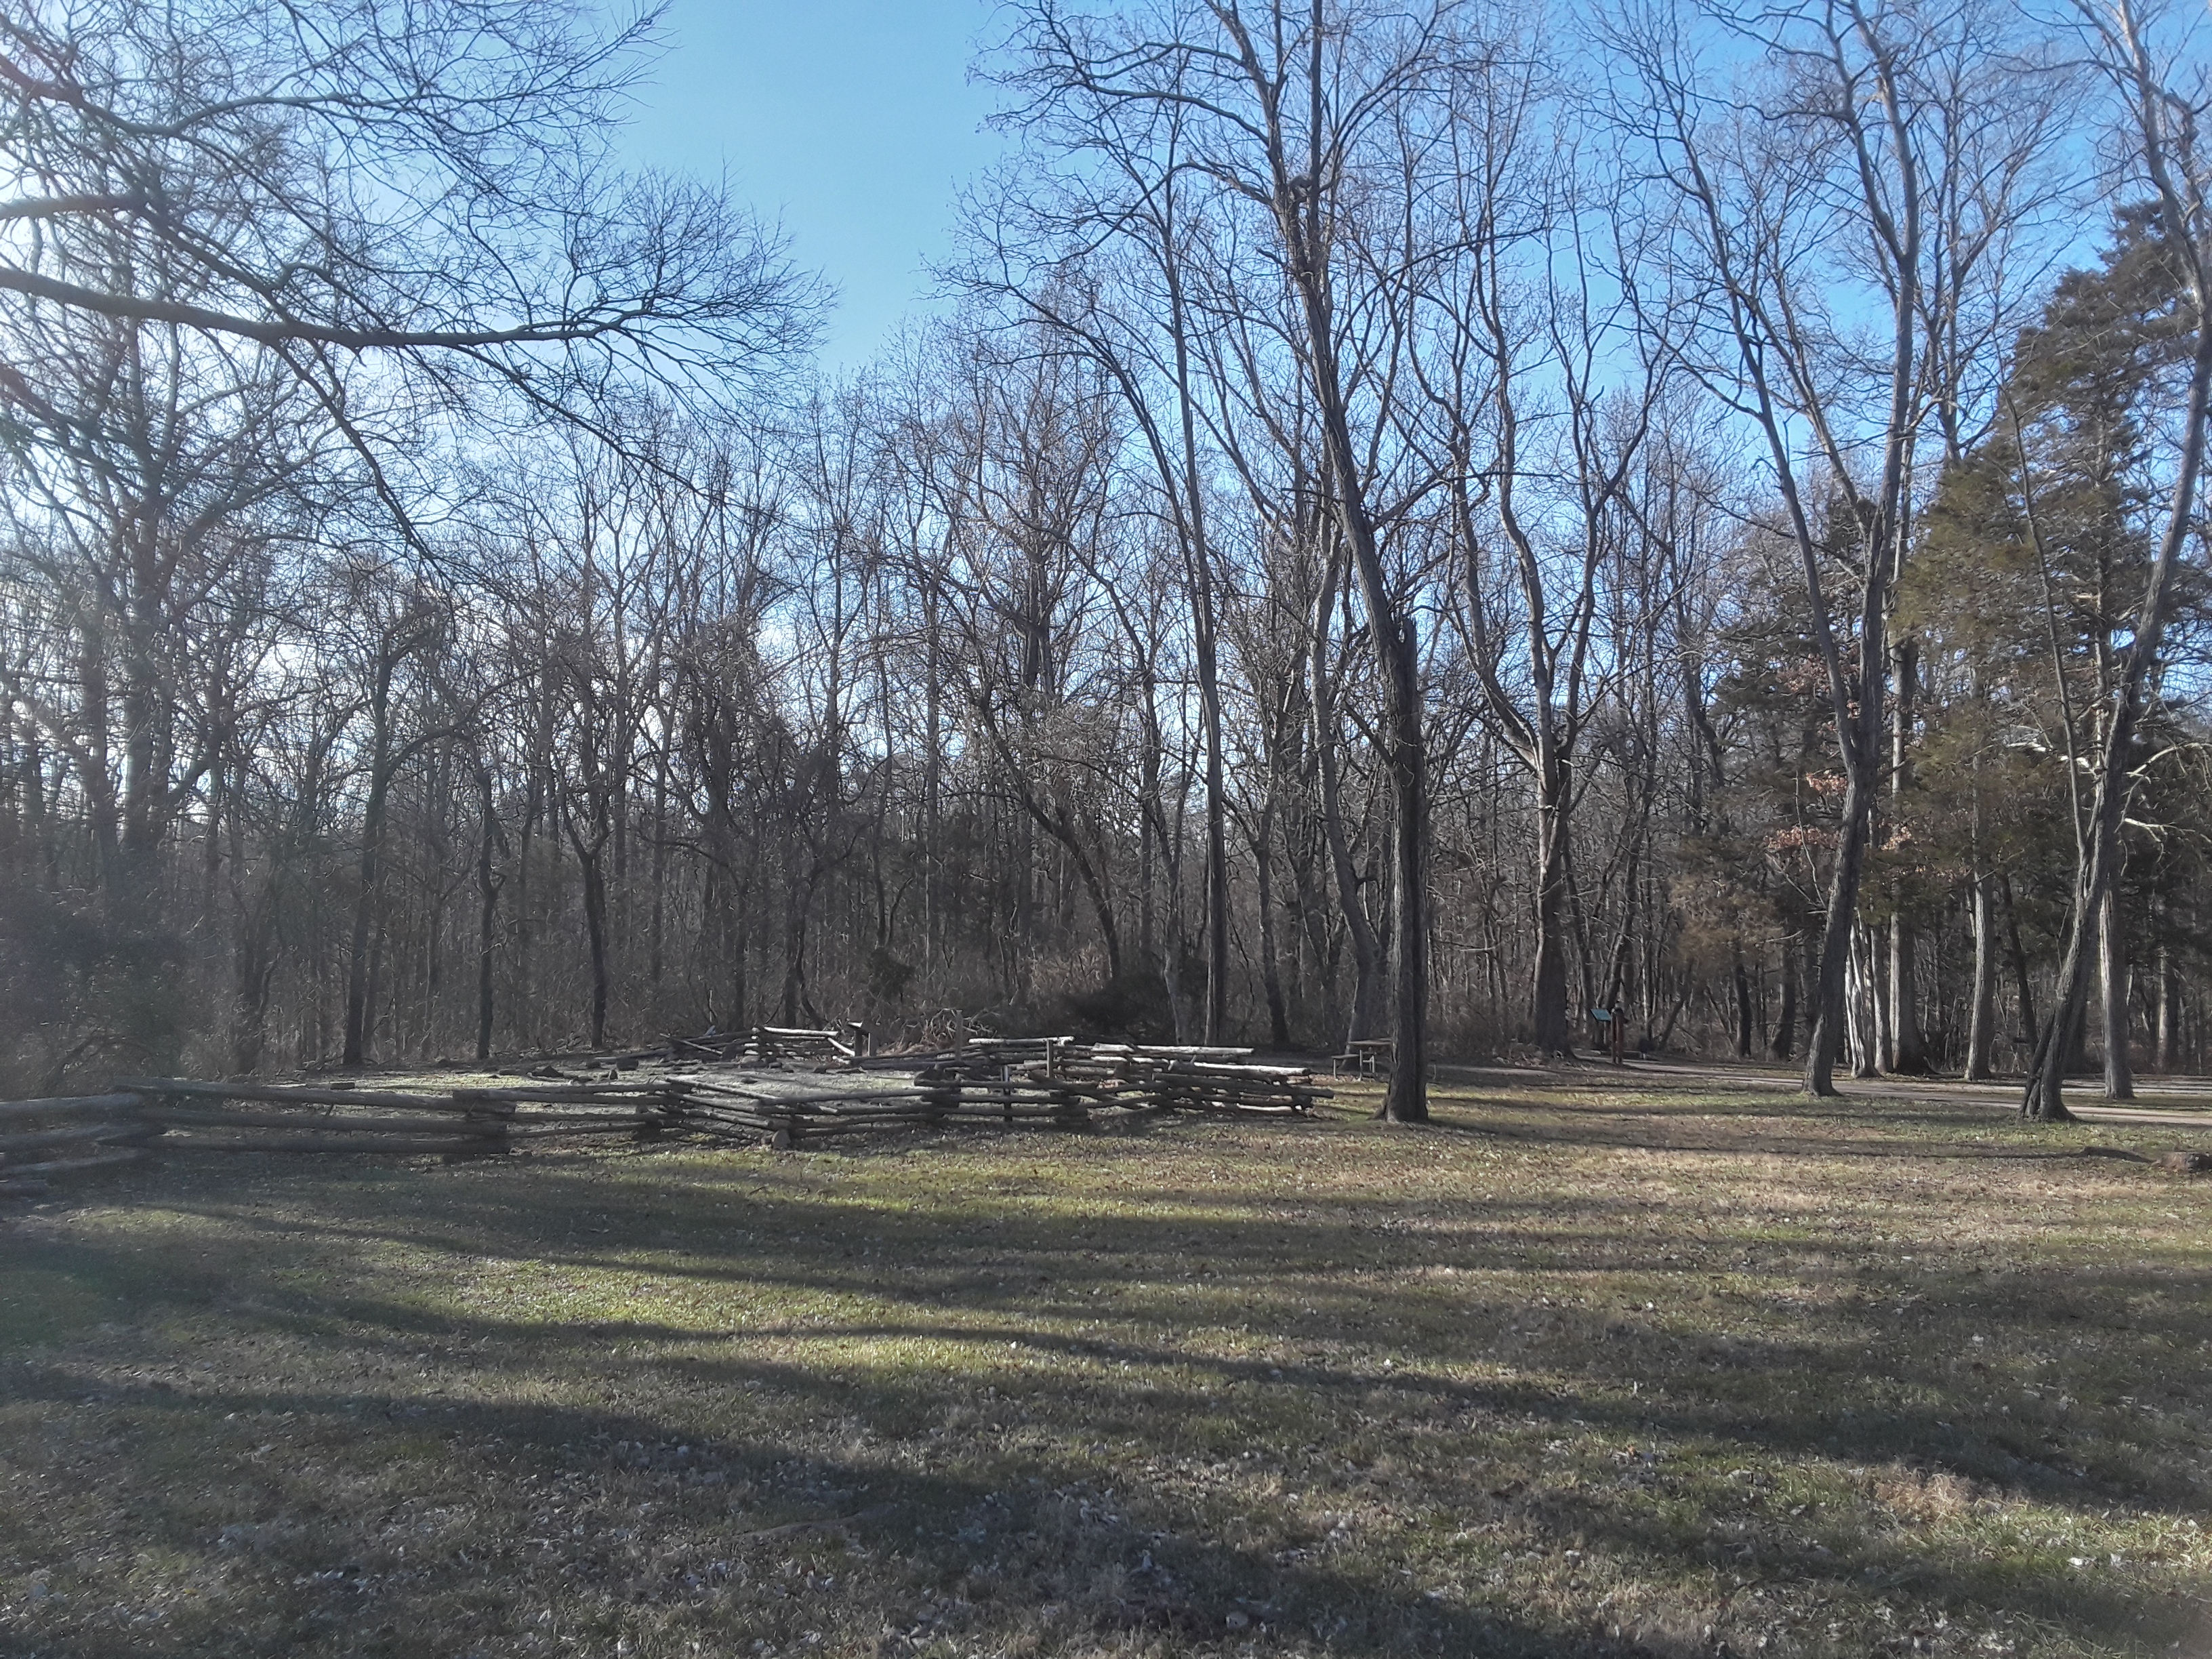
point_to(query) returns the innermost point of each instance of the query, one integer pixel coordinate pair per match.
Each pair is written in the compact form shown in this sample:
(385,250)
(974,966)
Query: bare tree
(1830,185)
(1301,117)
(1095,252)
(431,184)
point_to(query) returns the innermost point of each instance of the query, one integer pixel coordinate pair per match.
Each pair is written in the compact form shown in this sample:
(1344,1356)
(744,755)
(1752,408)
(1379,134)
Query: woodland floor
(1602,1364)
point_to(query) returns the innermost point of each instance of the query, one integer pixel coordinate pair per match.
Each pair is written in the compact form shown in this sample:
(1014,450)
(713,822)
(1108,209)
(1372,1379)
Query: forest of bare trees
(1417,519)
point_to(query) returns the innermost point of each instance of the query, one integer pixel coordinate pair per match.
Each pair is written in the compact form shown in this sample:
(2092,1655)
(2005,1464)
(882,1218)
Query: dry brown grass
(1591,1367)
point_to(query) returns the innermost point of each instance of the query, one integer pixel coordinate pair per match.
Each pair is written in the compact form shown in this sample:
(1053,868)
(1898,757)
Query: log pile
(1005,1052)
(715,1048)
(1003,1082)
(1141,1077)
(1177,1084)
(774,1043)
(765,1045)
(1047,1081)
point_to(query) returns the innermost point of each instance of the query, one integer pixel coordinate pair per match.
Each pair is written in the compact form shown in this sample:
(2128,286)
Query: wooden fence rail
(66,1135)
(1054,1082)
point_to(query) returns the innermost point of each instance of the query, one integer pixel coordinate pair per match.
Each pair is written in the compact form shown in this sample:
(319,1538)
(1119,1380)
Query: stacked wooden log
(774,1043)
(714,1046)
(1037,1081)
(1211,1079)
(1160,1077)
(969,1088)
(1031,1051)
(1140,1077)
(726,1106)
(42,1139)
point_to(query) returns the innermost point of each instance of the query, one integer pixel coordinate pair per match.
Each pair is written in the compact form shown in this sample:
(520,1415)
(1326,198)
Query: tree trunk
(1216,854)
(1865,1036)
(1981,1021)
(1366,949)
(1785,1022)
(2168,1033)
(2023,984)
(1548,1007)
(595,927)
(656,931)
(1209,700)
(2113,979)
(794,945)
(1874,947)
(487,909)
(1908,1042)
(1408,1100)
(1908,1045)
(255,954)
(1827,1038)
(1271,973)
(1396,640)
(1742,1002)
(364,908)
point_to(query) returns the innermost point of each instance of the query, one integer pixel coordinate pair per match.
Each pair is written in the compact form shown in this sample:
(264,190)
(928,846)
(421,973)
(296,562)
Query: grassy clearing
(1587,1369)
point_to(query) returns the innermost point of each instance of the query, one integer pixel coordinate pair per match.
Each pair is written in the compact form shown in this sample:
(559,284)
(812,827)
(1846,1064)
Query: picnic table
(1372,1055)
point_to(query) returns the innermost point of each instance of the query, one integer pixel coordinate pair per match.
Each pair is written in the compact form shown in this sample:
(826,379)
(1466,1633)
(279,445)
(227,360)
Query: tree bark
(2167,1031)
(489,836)
(2112,981)
(1825,1041)
(1981,1020)
(1785,1021)
(1271,973)
(1548,998)
(1908,1045)
(1742,1002)
(1366,948)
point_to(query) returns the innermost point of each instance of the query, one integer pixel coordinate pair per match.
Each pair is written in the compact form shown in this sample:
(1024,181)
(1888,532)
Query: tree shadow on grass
(1110,1566)
(1032,1525)
(1462,1382)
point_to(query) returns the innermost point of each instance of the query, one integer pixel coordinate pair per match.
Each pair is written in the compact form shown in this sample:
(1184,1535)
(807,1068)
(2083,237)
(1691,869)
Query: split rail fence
(1007,1082)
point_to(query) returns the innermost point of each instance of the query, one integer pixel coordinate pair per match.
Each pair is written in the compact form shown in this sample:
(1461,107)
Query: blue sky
(851,120)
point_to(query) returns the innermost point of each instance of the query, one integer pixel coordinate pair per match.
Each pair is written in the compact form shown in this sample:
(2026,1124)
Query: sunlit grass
(1585,1369)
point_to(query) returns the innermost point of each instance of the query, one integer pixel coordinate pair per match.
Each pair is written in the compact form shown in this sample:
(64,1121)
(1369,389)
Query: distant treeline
(1421,523)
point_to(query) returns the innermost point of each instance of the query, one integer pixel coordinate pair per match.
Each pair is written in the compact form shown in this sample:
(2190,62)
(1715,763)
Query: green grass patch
(1589,1367)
